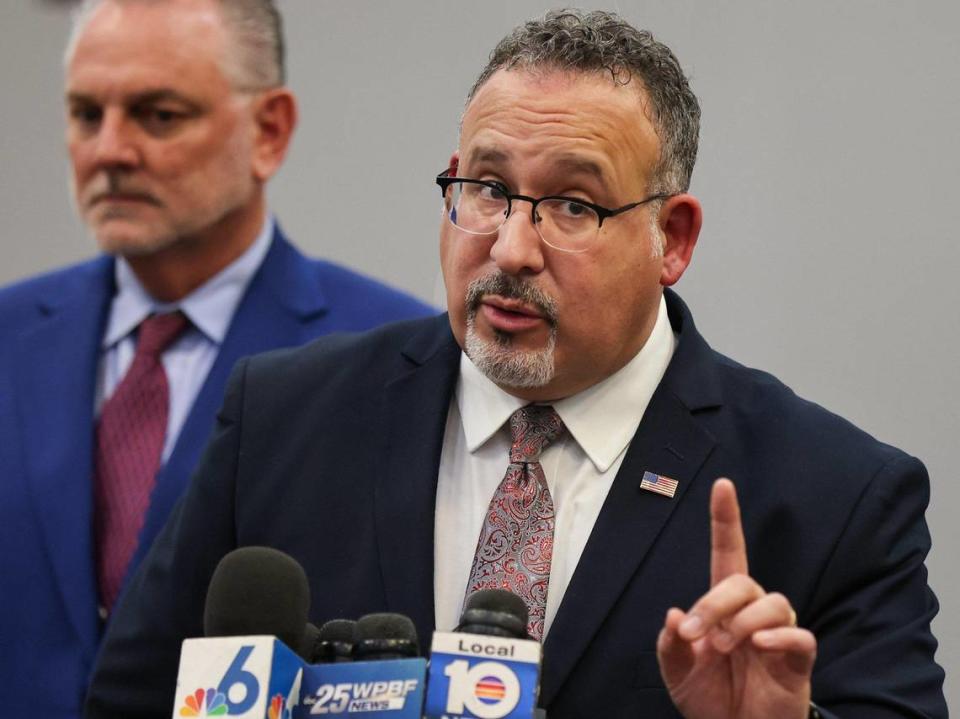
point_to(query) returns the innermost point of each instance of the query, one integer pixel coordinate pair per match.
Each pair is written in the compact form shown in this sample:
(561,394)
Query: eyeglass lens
(480,209)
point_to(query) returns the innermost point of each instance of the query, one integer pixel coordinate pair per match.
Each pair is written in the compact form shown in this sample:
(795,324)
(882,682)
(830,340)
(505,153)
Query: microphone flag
(255,677)
(385,689)
(474,676)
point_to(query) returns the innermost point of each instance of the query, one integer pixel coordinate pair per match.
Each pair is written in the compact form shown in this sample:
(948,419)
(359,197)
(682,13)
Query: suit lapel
(670,441)
(57,364)
(282,307)
(416,403)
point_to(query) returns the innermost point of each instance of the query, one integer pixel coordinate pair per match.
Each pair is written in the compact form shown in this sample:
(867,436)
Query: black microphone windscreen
(338,630)
(258,590)
(384,636)
(335,642)
(309,643)
(494,612)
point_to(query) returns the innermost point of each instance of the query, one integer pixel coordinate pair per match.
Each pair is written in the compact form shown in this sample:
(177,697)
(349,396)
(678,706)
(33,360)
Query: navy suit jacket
(52,327)
(331,452)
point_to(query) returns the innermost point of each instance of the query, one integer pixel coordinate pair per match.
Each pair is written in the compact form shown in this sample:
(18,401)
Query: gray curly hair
(574,40)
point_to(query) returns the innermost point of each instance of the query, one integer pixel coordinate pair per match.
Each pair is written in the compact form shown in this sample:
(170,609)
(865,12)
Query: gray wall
(828,173)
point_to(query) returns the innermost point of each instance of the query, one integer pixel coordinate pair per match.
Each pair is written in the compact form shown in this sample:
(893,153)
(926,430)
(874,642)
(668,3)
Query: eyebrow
(581,166)
(487,154)
(571,164)
(159,95)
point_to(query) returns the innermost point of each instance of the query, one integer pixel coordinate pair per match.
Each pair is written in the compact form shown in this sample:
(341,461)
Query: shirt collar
(602,418)
(209,308)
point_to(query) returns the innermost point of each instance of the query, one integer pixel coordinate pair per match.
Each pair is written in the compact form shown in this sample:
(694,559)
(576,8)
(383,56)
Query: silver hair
(255,27)
(657,239)
(598,41)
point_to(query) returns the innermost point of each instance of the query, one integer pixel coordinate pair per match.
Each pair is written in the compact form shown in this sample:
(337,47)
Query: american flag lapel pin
(659,484)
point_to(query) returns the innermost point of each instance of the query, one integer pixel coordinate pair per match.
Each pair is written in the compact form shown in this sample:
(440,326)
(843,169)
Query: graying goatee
(498,359)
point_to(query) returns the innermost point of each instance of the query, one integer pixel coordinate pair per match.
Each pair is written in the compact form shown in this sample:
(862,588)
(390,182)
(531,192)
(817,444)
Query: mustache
(106,184)
(514,288)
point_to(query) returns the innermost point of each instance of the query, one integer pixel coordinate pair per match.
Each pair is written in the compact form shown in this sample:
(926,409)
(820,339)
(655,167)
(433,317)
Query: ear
(680,219)
(454,162)
(275,115)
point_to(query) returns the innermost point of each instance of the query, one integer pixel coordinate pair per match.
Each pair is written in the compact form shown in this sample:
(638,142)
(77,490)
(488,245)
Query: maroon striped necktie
(516,541)
(129,443)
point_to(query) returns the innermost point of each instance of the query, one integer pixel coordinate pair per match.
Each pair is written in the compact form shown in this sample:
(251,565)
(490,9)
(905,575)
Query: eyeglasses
(568,224)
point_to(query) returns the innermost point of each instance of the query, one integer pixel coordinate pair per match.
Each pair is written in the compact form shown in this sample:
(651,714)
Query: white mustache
(105,184)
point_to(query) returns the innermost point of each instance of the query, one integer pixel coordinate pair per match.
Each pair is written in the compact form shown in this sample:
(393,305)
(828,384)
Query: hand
(737,654)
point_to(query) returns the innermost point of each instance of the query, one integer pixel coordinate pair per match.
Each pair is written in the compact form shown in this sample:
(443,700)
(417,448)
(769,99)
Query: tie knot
(532,428)
(157,332)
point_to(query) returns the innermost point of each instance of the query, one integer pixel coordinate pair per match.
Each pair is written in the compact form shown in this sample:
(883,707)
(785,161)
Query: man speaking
(561,434)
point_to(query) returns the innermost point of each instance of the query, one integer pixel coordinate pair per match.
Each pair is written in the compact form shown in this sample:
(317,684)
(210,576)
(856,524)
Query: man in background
(565,433)
(111,371)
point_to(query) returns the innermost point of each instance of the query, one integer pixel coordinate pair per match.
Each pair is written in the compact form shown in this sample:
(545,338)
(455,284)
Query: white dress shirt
(579,467)
(188,360)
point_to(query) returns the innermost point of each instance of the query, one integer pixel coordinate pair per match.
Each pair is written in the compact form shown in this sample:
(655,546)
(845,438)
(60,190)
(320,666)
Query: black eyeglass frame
(444,179)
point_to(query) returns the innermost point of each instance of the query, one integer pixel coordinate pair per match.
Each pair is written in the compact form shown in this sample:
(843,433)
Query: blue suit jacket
(52,328)
(331,452)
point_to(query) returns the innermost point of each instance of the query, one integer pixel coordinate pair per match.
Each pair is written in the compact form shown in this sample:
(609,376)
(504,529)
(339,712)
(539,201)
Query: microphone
(498,613)
(256,609)
(489,668)
(494,613)
(260,590)
(309,645)
(334,642)
(384,636)
(387,674)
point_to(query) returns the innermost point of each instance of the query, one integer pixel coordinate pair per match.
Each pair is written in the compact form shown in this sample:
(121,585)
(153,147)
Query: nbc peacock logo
(276,709)
(209,703)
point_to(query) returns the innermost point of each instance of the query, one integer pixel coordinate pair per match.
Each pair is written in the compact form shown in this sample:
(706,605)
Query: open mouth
(510,315)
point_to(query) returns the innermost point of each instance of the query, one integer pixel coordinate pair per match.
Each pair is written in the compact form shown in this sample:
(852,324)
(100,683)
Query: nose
(114,143)
(518,248)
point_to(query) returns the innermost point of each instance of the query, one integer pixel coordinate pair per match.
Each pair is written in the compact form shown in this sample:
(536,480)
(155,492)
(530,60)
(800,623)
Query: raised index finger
(728,549)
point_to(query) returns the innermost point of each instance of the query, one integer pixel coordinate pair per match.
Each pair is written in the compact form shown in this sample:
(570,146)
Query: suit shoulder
(765,407)
(349,358)
(21,299)
(353,293)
